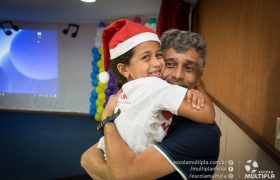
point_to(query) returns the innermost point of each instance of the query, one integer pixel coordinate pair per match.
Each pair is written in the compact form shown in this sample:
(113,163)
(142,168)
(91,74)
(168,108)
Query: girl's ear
(122,68)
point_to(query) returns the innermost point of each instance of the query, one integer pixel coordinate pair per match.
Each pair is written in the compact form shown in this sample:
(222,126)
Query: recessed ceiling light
(89,1)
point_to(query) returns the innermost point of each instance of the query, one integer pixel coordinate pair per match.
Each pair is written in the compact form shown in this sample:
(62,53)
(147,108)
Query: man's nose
(178,73)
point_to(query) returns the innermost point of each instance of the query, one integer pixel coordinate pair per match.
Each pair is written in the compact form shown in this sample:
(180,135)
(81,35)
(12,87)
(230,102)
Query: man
(189,150)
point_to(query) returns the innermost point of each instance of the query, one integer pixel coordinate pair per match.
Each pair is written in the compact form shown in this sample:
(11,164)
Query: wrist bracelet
(100,126)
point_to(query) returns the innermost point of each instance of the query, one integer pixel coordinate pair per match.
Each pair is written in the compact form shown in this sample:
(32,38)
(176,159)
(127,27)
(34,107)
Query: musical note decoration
(10,24)
(75,32)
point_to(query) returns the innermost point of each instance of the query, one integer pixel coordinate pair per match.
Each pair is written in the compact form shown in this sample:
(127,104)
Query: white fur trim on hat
(130,43)
(104,77)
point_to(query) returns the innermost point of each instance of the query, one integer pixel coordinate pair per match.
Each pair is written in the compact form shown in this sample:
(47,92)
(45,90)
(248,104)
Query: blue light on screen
(28,62)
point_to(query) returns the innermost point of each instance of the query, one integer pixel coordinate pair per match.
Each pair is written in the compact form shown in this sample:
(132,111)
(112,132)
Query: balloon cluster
(97,98)
(151,23)
(102,91)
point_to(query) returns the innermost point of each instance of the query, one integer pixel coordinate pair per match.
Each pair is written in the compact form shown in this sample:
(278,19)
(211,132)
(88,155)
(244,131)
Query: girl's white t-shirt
(146,106)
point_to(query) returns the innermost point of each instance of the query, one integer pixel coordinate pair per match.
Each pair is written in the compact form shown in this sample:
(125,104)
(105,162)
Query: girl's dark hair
(124,59)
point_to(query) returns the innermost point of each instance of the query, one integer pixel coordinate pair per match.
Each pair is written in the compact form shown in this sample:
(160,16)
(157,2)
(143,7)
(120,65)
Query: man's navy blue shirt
(191,148)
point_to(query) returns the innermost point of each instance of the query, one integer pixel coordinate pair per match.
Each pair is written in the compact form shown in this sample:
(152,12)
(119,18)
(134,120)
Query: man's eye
(189,68)
(170,65)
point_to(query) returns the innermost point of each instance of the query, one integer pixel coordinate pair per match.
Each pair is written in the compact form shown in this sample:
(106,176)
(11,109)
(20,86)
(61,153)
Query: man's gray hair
(182,41)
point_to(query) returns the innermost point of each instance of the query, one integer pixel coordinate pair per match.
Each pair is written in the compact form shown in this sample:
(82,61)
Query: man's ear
(122,68)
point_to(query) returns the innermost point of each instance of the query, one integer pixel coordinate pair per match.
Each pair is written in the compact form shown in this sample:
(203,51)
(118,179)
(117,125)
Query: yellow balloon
(99,109)
(98,103)
(102,85)
(97,117)
(98,90)
(100,50)
(101,96)
(100,63)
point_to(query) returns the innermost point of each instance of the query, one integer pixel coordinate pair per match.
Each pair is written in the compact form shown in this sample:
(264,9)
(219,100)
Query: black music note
(75,33)
(7,31)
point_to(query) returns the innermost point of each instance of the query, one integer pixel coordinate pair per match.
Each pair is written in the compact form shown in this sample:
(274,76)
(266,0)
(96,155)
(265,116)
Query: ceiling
(75,10)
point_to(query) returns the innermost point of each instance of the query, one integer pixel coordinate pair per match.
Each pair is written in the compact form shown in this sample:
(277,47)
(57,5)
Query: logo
(123,96)
(251,166)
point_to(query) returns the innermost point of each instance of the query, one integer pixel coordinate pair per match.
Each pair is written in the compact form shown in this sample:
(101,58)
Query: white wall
(74,66)
(239,147)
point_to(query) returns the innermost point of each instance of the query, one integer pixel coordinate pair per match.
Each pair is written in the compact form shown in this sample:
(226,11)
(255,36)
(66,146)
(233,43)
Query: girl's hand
(196,98)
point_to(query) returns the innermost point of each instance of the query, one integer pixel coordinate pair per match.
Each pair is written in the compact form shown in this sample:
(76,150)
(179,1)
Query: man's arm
(110,106)
(125,164)
(93,162)
(122,163)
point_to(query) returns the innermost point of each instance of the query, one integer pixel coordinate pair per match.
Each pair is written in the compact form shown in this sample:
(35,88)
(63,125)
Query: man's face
(181,69)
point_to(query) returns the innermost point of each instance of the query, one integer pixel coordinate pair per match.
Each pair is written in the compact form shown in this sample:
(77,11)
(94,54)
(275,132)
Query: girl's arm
(194,110)
(196,106)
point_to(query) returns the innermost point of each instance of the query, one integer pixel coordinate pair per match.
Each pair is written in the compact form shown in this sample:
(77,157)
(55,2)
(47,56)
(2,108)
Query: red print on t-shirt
(167,115)
(165,126)
(123,96)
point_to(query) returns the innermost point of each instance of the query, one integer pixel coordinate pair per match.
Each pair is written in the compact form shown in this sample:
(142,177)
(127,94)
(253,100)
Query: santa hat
(121,36)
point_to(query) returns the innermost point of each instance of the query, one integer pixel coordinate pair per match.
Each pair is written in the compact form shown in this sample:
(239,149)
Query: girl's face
(147,61)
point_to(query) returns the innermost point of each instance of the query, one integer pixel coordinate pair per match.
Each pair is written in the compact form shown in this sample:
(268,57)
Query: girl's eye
(146,57)
(159,55)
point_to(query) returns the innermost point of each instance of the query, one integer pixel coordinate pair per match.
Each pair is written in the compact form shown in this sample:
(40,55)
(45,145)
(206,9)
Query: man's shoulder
(183,127)
(179,121)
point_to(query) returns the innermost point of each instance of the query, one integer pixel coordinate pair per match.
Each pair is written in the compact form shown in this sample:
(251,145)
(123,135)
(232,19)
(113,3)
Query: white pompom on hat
(121,36)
